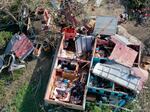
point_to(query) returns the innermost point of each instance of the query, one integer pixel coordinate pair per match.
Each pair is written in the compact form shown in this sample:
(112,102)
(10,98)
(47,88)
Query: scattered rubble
(97,61)
(85,59)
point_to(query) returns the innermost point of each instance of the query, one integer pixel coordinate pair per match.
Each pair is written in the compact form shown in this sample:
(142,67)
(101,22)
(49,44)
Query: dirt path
(141,32)
(11,89)
(105,9)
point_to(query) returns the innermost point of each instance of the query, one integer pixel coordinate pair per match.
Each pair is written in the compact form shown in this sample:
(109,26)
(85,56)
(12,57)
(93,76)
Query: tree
(132,4)
(16,10)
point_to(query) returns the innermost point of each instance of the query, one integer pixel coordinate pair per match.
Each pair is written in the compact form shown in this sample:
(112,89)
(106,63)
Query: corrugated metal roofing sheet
(83,44)
(106,25)
(21,45)
(121,39)
(123,55)
(143,74)
(120,75)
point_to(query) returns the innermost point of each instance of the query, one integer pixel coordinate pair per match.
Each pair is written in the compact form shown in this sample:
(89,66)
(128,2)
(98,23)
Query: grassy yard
(30,96)
(5,85)
(24,101)
(4,38)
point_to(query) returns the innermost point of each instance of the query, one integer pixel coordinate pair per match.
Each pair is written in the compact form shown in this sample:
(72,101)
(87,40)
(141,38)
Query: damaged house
(67,85)
(101,68)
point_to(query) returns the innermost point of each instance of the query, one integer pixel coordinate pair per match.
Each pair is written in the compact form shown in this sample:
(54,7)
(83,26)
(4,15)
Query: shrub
(4,38)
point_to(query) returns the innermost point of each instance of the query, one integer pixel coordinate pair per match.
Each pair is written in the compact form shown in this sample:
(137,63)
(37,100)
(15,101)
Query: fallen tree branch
(10,14)
(5,10)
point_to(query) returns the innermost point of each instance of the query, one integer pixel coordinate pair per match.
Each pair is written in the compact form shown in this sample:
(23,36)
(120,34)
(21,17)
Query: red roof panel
(22,46)
(123,55)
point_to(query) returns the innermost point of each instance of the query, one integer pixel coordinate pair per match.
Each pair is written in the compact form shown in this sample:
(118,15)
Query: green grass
(4,38)
(8,78)
(2,85)
(19,99)
(28,98)
(92,107)
(25,100)
(5,81)
(13,106)
(18,73)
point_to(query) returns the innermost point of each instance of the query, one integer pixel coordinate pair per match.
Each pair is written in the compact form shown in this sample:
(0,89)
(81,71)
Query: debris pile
(95,64)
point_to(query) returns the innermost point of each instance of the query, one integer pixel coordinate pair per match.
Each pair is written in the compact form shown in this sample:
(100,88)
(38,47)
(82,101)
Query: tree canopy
(137,3)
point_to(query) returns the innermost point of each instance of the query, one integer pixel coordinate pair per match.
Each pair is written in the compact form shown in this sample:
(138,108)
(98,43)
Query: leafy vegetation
(138,3)
(92,107)
(16,103)
(4,38)
(14,7)
(25,100)
(17,74)
(6,79)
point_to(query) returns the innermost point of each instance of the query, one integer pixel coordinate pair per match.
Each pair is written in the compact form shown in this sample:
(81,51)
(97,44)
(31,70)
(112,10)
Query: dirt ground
(109,9)
(11,89)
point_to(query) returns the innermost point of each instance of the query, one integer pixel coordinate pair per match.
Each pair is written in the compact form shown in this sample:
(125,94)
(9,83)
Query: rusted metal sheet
(123,55)
(21,45)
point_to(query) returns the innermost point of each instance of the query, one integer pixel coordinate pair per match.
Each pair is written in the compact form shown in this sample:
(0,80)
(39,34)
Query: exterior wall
(68,105)
(60,47)
(52,74)
(50,86)
(102,91)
